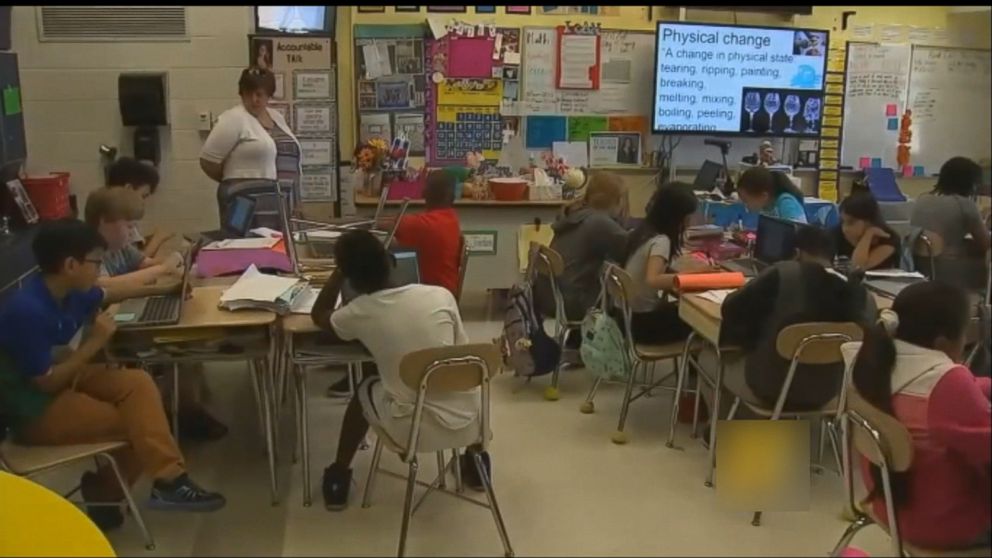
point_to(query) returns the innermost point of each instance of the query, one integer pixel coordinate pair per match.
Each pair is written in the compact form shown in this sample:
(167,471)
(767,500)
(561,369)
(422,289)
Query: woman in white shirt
(250,142)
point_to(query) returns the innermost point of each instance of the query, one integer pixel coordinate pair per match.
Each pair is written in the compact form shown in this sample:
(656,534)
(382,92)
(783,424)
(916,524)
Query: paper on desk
(717,296)
(253,285)
(304,303)
(323,235)
(266,232)
(242,244)
(894,273)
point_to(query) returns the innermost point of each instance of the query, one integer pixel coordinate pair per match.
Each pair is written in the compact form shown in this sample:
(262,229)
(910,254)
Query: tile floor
(564,488)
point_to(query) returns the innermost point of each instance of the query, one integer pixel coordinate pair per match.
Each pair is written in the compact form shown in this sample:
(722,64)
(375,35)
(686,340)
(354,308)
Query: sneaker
(182,494)
(340,388)
(470,475)
(107,518)
(336,485)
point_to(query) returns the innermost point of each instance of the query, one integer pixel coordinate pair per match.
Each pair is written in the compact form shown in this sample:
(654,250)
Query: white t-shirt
(243,145)
(646,298)
(394,322)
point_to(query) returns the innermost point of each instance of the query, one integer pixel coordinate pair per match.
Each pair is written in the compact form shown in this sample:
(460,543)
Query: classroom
(495,280)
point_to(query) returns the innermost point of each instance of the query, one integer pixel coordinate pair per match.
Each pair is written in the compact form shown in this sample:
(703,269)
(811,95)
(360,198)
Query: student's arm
(976,226)
(323,307)
(118,293)
(959,417)
(155,243)
(745,311)
(61,375)
(141,277)
(865,256)
(219,144)
(610,239)
(657,276)
(788,207)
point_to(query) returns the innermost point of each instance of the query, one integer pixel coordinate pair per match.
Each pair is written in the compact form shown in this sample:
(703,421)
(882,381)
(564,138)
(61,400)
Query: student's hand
(877,233)
(175,264)
(104,326)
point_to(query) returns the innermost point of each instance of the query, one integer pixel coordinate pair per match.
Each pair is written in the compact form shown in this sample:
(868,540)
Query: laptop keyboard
(160,309)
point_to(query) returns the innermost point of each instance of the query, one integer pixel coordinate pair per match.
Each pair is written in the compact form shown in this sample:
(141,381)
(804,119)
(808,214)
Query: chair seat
(331,353)
(650,351)
(735,382)
(25,460)
(914,550)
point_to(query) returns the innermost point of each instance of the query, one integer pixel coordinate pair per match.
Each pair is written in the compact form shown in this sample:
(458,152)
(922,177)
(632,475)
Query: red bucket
(49,195)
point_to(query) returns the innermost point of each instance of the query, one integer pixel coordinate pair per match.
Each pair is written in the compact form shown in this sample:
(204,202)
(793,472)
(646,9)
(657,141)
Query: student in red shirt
(435,233)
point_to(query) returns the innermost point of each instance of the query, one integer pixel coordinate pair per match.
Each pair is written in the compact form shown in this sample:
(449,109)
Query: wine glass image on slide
(792,107)
(772,103)
(752,104)
(811,114)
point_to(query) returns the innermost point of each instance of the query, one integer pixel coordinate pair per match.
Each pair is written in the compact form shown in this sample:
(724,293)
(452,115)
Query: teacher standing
(252,141)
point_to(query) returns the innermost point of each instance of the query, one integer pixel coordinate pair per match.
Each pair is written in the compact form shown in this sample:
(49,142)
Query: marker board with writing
(950,94)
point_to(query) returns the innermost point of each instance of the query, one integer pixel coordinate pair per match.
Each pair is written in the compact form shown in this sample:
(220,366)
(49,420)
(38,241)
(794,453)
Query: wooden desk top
(201,312)
(299,323)
(365,201)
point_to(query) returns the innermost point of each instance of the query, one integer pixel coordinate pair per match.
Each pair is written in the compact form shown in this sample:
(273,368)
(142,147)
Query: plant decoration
(556,167)
(371,156)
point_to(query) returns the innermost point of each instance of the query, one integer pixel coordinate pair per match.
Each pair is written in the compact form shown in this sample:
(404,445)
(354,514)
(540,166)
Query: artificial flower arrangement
(370,156)
(555,167)
(376,158)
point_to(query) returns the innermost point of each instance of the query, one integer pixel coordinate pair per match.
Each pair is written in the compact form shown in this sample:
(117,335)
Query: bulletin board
(391,77)
(618,100)
(474,82)
(306,95)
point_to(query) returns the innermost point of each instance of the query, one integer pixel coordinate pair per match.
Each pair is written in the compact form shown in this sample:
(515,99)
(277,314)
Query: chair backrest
(929,245)
(462,266)
(547,261)
(619,290)
(893,445)
(816,342)
(452,368)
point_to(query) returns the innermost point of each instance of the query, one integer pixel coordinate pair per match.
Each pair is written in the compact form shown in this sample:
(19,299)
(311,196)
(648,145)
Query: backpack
(602,349)
(526,347)
(907,259)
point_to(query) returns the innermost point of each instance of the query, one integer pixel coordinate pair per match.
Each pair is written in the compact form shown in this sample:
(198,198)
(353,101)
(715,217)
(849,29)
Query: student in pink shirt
(908,367)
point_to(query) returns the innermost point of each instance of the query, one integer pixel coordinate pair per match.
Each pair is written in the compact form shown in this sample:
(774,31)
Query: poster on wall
(313,84)
(318,184)
(313,119)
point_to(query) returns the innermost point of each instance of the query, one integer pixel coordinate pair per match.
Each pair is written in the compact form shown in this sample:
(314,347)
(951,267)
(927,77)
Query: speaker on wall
(142,99)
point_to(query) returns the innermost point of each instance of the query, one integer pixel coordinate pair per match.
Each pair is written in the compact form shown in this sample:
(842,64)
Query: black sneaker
(107,518)
(340,388)
(470,475)
(182,494)
(336,485)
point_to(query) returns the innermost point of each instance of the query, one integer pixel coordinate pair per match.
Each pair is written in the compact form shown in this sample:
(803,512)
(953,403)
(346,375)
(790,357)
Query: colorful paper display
(470,57)
(891,110)
(892,124)
(579,127)
(543,131)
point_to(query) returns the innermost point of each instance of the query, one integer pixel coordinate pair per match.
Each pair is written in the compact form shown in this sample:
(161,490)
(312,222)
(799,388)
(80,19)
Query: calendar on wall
(468,128)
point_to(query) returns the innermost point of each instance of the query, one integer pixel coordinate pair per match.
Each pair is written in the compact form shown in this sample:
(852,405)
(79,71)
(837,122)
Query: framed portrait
(485,9)
(371,9)
(518,10)
(447,9)
(20,196)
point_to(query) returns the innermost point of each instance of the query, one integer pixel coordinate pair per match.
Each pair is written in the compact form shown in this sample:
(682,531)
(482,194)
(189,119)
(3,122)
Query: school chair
(928,247)
(886,443)
(462,266)
(30,461)
(433,372)
(548,263)
(619,289)
(815,343)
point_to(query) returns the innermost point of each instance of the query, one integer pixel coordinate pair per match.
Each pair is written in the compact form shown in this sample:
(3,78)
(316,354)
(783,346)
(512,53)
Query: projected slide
(730,79)
(293,19)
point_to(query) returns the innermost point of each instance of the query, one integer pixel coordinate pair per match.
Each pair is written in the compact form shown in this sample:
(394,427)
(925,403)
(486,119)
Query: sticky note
(876,162)
(124,317)
(12,101)
(907,170)
(891,110)
(892,124)
(918,170)
(864,162)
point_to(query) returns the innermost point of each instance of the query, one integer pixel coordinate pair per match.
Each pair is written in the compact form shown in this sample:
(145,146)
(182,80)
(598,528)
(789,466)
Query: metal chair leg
(149,541)
(695,409)
(266,388)
(302,394)
(442,471)
(459,486)
(257,392)
(487,485)
(551,393)
(714,415)
(683,369)
(588,407)
(858,524)
(619,437)
(175,402)
(373,472)
(411,483)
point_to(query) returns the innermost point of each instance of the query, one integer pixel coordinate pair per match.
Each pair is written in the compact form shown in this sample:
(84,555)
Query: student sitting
(587,234)
(391,322)
(791,292)
(112,211)
(653,246)
(68,398)
(772,193)
(863,236)
(951,212)
(143,179)
(907,367)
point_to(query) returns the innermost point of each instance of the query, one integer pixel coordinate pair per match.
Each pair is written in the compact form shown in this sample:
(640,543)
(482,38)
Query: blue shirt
(33,323)
(788,207)
(119,262)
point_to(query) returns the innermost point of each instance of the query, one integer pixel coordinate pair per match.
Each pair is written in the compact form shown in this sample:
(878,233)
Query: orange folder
(687,282)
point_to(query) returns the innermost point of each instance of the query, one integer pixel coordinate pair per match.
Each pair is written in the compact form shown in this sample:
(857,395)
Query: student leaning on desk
(68,398)
(141,178)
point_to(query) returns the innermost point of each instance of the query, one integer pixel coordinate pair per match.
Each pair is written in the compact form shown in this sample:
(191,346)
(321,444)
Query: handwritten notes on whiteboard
(877,85)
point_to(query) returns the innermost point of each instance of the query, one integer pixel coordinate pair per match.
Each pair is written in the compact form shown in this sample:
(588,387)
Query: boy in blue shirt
(54,391)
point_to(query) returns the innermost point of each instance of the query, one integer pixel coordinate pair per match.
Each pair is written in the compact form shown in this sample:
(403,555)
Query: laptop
(406,271)
(776,241)
(157,310)
(707,176)
(237,220)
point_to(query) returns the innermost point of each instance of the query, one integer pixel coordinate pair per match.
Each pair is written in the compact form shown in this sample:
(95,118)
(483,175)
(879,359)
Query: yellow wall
(636,18)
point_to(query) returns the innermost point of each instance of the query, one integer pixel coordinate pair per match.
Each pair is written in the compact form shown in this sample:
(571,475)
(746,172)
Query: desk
(725,214)
(202,320)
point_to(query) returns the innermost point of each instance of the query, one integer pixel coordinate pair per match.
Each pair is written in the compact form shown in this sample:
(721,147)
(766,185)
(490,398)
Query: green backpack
(602,349)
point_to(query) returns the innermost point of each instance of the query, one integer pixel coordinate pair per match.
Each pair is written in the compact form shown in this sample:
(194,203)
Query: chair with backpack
(604,346)
(549,264)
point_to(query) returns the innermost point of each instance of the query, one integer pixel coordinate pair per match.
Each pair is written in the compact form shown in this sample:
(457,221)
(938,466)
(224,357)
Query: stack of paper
(304,303)
(259,243)
(258,291)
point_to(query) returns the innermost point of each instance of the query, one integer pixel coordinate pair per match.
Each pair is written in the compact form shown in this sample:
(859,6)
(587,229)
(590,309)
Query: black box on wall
(142,99)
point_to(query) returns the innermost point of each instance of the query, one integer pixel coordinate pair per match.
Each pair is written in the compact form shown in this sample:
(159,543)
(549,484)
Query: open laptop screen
(776,239)
(239,215)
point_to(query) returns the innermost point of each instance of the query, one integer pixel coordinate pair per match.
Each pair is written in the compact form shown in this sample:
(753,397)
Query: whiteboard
(626,75)
(877,76)
(951,98)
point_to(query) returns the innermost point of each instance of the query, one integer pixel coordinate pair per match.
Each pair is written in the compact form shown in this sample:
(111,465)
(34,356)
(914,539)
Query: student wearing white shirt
(251,141)
(391,322)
